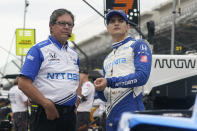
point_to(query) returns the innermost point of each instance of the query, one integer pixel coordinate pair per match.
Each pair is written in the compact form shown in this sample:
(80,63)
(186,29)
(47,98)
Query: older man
(50,77)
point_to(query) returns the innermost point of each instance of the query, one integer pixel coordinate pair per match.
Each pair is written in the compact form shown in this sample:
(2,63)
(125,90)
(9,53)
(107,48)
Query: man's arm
(25,84)
(142,63)
(79,96)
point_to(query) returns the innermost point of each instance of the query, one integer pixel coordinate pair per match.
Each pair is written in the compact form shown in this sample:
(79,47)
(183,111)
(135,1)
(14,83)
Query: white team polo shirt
(88,91)
(17,99)
(54,70)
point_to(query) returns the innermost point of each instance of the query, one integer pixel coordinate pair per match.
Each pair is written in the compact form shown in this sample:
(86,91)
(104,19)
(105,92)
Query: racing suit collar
(57,44)
(117,44)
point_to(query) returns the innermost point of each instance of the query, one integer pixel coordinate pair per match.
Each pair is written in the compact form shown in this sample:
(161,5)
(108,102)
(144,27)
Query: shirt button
(110,124)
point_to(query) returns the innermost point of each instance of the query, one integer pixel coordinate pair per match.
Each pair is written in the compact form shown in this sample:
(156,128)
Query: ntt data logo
(62,76)
(116,62)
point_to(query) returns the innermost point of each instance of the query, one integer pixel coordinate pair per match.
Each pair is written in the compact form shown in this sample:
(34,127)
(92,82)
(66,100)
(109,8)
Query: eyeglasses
(61,23)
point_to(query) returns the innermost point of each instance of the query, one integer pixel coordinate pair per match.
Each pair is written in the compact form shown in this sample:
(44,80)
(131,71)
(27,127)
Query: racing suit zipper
(111,123)
(111,76)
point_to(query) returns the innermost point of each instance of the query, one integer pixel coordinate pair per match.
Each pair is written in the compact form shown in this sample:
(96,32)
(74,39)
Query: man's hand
(25,84)
(77,104)
(50,110)
(100,84)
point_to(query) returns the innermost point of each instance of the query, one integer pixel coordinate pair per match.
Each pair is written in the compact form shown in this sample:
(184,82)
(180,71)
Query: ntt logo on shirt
(116,62)
(61,76)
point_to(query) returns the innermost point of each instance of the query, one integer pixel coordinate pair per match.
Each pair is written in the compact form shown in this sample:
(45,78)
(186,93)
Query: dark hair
(59,12)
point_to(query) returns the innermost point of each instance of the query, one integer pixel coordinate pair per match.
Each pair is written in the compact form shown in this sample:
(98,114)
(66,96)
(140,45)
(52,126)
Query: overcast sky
(87,24)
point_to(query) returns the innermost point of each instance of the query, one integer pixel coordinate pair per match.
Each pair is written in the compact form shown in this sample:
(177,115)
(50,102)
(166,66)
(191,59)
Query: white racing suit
(127,69)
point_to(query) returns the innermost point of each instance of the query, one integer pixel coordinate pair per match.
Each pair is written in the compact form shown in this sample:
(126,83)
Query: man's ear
(50,27)
(107,28)
(128,26)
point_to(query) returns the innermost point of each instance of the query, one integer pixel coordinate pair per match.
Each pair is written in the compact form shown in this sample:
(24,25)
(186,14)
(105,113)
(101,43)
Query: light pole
(24,22)
(173,26)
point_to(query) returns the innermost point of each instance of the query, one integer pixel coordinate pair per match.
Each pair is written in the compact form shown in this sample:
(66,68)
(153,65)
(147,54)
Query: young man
(50,77)
(87,97)
(19,103)
(126,70)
